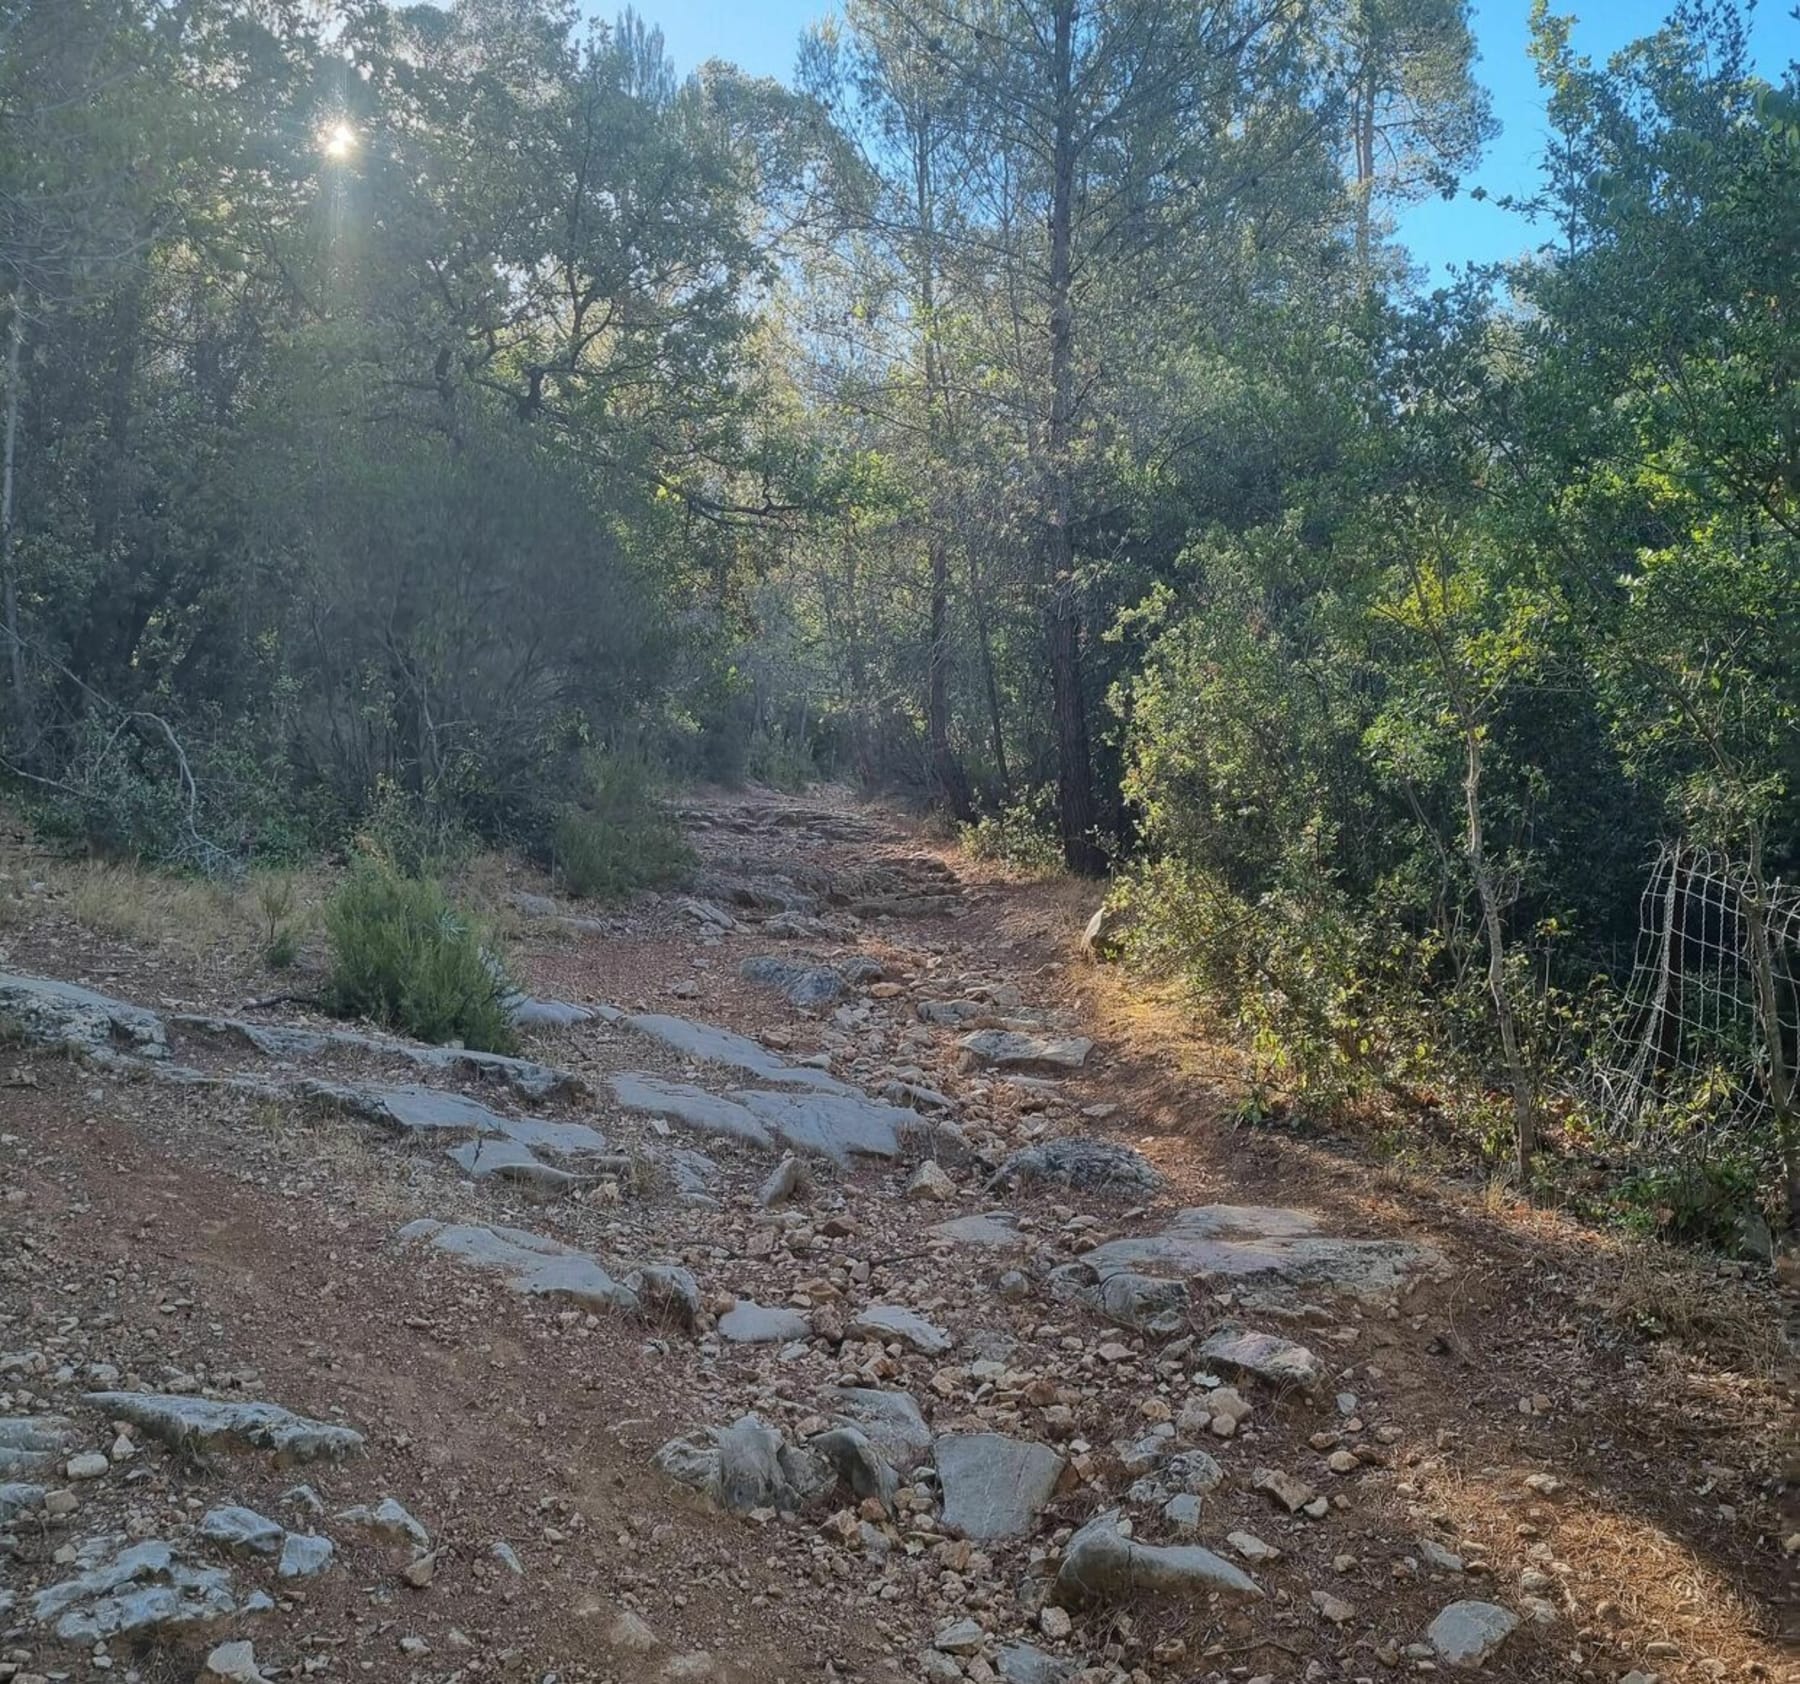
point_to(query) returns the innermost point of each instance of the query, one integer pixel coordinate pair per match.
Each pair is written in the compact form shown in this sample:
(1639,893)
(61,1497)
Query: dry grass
(1614,1568)
(1649,1287)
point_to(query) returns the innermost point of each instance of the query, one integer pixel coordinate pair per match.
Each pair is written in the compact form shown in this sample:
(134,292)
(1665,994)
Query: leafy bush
(1022,836)
(402,955)
(617,837)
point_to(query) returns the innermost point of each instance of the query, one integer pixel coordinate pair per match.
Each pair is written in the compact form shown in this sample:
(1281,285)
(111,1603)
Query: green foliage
(403,956)
(1022,835)
(618,837)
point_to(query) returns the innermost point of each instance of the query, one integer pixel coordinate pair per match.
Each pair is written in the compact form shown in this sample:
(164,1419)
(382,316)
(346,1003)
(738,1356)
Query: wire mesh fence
(1706,1033)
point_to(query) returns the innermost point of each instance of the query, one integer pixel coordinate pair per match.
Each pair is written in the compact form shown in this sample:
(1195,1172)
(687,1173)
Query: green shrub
(1023,836)
(617,837)
(402,955)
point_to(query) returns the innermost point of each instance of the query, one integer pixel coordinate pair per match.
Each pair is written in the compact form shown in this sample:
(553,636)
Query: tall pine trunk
(1074,769)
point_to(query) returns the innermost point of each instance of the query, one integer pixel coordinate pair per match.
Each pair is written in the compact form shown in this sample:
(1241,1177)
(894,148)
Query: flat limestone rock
(1467,1633)
(304,1555)
(804,985)
(1100,1564)
(832,1125)
(524,1076)
(140,1588)
(507,1160)
(722,1046)
(1095,1166)
(754,1324)
(1268,1255)
(1275,1361)
(1021,1663)
(992,1229)
(1149,1304)
(994,1486)
(33,1443)
(50,1013)
(889,1323)
(692,1107)
(1011,1049)
(533,1265)
(209,1423)
(241,1531)
(890,1421)
(526,1011)
(744,1467)
(19,1497)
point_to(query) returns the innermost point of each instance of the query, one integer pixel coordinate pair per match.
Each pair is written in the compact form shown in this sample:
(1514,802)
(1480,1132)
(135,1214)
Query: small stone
(1291,1493)
(1252,1548)
(929,1182)
(1055,1623)
(1467,1633)
(630,1632)
(965,1637)
(1334,1608)
(303,1556)
(236,1661)
(419,1571)
(90,1464)
(1342,1462)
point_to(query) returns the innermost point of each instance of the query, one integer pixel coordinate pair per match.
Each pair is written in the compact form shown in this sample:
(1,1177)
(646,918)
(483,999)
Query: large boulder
(994,1486)
(744,1467)
(199,1423)
(1101,1564)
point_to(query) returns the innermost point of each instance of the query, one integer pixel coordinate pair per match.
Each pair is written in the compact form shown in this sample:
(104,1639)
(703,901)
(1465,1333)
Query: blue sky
(760,36)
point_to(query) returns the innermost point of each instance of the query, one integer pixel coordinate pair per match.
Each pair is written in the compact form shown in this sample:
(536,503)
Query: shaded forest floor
(1601,1433)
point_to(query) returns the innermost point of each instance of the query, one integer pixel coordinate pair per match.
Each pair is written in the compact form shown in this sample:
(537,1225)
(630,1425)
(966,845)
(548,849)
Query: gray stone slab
(1100,1564)
(832,1125)
(1093,1166)
(208,1423)
(746,1323)
(524,1076)
(692,1107)
(138,1588)
(241,1531)
(1268,1255)
(304,1555)
(994,1486)
(1010,1049)
(890,1421)
(1265,1356)
(33,1443)
(529,1012)
(890,1323)
(1466,1633)
(1022,1663)
(489,1159)
(711,1045)
(994,1230)
(50,1013)
(531,1264)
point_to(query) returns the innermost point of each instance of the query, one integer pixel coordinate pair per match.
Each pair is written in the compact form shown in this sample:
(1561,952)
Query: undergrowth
(404,956)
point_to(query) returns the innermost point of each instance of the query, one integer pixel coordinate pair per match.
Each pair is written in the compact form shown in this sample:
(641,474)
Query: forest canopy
(1032,412)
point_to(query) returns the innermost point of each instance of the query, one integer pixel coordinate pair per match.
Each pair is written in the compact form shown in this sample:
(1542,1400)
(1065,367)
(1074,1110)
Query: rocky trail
(838,1287)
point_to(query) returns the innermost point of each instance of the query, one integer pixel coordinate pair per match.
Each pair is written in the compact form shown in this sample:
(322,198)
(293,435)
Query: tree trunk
(948,779)
(946,770)
(1524,1106)
(1074,771)
(9,585)
(990,683)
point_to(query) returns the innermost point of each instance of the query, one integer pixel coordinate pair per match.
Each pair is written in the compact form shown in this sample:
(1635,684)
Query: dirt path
(1324,1405)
